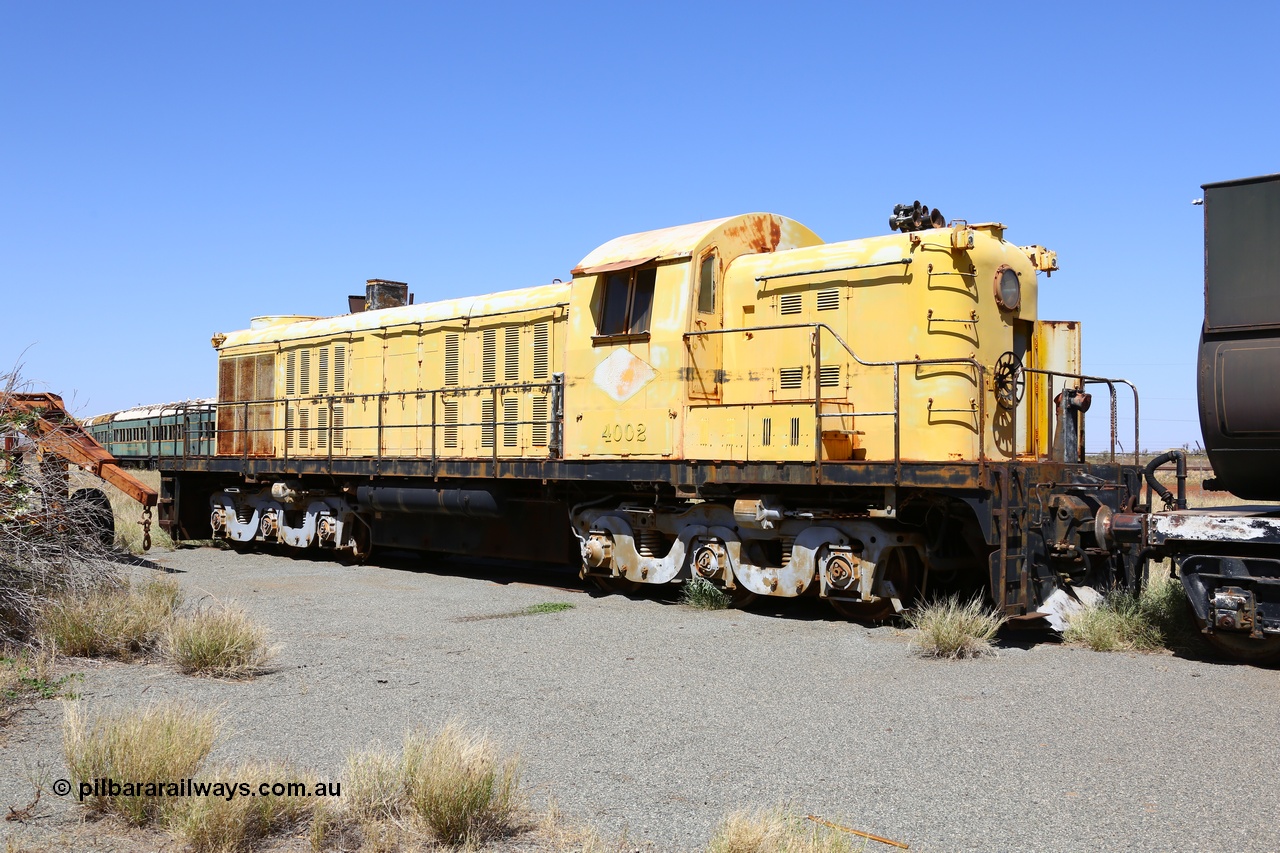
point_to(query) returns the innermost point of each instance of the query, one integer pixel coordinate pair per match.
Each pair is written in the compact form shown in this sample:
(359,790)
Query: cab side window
(707,285)
(628,302)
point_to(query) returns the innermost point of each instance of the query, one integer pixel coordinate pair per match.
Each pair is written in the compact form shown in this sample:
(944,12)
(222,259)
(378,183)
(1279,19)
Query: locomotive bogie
(282,515)
(793,553)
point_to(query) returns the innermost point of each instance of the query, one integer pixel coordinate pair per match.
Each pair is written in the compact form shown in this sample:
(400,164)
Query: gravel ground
(646,716)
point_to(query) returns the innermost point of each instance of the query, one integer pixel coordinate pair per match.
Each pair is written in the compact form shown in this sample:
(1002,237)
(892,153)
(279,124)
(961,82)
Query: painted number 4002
(622,433)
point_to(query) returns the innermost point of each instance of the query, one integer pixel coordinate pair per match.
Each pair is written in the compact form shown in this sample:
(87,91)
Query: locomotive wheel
(902,571)
(740,598)
(862,611)
(612,585)
(1239,647)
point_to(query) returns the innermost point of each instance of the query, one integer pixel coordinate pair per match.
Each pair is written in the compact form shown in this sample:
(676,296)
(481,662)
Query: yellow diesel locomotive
(867,421)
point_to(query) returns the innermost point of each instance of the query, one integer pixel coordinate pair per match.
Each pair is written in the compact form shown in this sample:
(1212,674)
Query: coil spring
(651,543)
(788,542)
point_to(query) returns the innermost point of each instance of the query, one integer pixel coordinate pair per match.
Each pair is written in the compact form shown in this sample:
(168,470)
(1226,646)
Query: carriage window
(628,302)
(707,285)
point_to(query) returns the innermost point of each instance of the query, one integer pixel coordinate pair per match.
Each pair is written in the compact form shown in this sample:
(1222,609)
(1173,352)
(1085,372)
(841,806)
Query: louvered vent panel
(339,368)
(488,414)
(766,432)
(828,300)
(451,422)
(489,365)
(451,347)
(322,429)
(304,429)
(790,378)
(304,372)
(510,421)
(540,409)
(339,424)
(288,427)
(789,303)
(795,432)
(511,354)
(542,351)
(322,378)
(830,376)
(291,374)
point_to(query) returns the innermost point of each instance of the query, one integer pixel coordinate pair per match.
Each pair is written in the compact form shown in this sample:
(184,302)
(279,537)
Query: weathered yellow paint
(460,377)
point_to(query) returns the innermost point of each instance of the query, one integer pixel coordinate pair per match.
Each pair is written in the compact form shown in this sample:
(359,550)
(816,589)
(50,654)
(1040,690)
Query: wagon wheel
(1009,380)
(1240,647)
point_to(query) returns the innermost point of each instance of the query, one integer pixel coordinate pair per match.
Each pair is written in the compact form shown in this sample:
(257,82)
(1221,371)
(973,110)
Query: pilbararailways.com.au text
(200,788)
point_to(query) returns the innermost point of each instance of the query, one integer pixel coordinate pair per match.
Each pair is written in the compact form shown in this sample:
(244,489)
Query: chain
(146,528)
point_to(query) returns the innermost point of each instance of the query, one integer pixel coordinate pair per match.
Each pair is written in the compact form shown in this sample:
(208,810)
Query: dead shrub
(50,542)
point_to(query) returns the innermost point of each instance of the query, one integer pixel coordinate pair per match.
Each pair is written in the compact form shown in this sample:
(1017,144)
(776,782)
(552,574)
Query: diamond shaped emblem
(622,374)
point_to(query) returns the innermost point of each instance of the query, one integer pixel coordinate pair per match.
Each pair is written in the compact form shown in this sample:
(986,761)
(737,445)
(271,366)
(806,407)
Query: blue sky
(169,170)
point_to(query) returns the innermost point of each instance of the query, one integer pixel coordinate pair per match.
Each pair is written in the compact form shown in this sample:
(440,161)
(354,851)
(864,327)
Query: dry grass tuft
(1122,621)
(109,621)
(949,628)
(452,783)
(554,832)
(164,742)
(218,641)
(375,788)
(703,594)
(778,830)
(457,785)
(216,824)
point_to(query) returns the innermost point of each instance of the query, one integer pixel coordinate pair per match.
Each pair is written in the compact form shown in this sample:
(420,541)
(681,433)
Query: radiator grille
(322,380)
(451,364)
(510,419)
(511,357)
(489,361)
(542,351)
(488,414)
(304,373)
(451,423)
(540,409)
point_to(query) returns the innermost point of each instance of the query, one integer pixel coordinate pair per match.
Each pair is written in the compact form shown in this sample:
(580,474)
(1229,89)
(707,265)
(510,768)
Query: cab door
(706,352)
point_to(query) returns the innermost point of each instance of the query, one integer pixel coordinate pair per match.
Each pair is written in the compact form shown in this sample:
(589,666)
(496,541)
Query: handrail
(819,328)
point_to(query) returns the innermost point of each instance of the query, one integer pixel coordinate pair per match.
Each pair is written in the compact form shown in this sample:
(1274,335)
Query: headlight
(1008,289)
